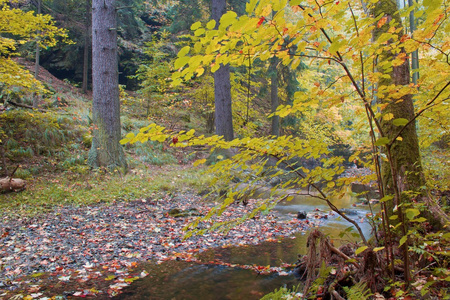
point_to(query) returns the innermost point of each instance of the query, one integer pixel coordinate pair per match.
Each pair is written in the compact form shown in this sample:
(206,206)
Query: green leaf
(294,2)
(382,141)
(184,51)
(181,62)
(378,249)
(387,198)
(419,220)
(400,122)
(411,213)
(196,25)
(336,45)
(403,240)
(361,250)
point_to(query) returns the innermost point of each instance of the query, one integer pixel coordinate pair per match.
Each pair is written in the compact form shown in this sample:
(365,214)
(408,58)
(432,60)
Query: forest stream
(219,275)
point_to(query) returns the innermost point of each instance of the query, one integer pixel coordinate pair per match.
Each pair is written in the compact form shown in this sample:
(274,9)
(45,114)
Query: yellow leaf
(184,51)
(196,25)
(211,24)
(200,71)
(199,162)
(388,116)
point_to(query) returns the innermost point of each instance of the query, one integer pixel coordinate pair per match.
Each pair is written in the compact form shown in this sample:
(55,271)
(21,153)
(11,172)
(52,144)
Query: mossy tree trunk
(404,151)
(105,150)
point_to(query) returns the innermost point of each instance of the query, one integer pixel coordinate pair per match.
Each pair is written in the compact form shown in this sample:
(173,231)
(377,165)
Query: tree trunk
(405,153)
(105,150)
(275,129)
(37,58)
(222,85)
(86,48)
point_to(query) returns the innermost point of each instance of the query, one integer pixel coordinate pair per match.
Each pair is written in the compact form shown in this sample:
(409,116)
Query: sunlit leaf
(361,250)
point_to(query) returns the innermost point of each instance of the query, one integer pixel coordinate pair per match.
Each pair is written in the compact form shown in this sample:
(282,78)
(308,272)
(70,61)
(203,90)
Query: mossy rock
(87,140)
(178,213)
(219,154)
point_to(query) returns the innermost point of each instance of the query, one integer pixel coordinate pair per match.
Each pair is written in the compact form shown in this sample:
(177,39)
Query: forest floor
(96,250)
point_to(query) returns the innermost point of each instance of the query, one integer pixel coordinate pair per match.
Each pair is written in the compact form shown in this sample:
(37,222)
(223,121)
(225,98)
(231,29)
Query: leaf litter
(97,250)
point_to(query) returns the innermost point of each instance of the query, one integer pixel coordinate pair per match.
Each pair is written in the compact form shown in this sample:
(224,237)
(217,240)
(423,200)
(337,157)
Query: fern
(358,292)
(283,293)
(324,271)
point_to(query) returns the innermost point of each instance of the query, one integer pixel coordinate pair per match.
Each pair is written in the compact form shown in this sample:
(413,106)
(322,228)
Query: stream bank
(98,250)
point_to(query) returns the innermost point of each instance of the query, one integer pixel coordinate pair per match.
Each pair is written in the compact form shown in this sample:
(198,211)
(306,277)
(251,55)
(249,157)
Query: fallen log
(26,106)
(9,184)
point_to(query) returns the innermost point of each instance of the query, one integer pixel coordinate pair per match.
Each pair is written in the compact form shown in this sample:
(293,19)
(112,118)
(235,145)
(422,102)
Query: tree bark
(37,58)
(405,153)
(105,150)
(86,48)
(222,85)
(274,101)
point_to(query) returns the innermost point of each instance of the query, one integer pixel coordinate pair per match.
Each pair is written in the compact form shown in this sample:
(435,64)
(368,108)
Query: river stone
(175,212)
(349,212)
(301,215)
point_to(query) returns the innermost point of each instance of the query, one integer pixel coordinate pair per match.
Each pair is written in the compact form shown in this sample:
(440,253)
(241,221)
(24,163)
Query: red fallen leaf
(44,262)
(175,140)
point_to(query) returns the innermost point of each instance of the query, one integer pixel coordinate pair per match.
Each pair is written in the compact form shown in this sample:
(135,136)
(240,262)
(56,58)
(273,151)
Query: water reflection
(186,281)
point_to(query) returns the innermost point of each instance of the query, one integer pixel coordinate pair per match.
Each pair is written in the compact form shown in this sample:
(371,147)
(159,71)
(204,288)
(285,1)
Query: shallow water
(188,280)
(185,280)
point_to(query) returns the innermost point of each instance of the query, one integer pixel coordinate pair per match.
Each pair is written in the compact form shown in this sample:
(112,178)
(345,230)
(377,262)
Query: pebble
(72,238)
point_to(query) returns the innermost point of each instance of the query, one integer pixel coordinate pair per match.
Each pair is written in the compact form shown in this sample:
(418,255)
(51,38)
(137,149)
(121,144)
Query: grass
(42,194)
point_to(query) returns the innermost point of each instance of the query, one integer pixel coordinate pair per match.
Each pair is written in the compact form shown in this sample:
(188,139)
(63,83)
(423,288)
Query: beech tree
(18,27)
(105,150)
(369,54)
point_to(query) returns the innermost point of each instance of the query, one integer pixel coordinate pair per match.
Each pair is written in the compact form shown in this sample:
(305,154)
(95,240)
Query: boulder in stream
(301,215)
(176,212)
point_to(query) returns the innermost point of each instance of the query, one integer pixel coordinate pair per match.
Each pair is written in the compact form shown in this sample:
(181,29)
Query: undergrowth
(73,188)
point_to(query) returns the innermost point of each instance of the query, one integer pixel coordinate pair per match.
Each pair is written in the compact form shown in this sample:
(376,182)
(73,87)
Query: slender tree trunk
(222,85)
(275,129)
(105,150)
(415,54)
(37,58)
(86,47)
